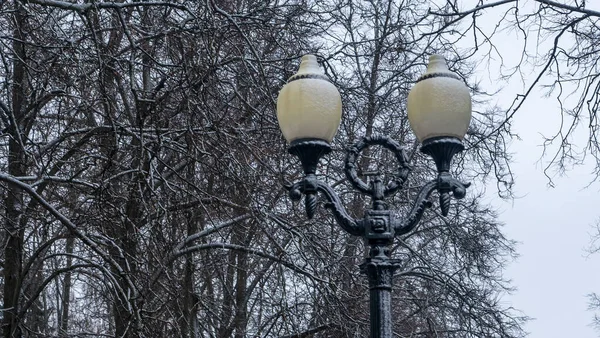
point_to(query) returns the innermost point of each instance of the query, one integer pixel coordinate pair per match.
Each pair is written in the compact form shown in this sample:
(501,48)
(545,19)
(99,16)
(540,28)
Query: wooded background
(143,170)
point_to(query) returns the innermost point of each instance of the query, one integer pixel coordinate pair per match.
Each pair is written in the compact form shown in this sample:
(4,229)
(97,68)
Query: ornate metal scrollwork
(313,185)
(352,172)
(379,225)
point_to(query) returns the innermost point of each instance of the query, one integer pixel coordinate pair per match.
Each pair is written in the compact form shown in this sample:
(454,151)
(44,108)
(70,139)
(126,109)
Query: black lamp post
(439,110)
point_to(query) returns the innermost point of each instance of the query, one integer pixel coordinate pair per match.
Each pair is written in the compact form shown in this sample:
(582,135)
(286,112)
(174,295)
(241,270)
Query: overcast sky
(554,273)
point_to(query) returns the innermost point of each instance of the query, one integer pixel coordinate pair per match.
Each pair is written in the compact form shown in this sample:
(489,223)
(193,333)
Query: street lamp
(309,111)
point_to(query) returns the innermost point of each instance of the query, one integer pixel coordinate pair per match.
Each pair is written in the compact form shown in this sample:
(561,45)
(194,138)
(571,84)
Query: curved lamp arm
(416,212)
(310,186)
(444,184)
(378,224)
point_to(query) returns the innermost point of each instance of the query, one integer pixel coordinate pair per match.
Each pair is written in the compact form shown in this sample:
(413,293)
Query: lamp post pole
(309,114)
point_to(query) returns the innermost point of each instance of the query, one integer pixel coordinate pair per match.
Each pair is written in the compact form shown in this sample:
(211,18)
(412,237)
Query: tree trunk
(190,299)
(66,292)
(14,234)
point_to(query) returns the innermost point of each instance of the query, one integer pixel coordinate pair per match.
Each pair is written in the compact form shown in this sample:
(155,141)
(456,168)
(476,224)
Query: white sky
(554,273)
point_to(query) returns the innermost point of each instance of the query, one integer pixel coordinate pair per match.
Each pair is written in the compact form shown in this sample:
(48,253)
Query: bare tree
(143,173)
(376,50)
(559,42)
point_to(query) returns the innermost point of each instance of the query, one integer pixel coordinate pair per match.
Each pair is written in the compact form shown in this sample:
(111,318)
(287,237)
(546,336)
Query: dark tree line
(143,172)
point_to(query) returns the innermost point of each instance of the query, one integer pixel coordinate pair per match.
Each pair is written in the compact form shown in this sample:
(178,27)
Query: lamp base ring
(309,151)
(442,149)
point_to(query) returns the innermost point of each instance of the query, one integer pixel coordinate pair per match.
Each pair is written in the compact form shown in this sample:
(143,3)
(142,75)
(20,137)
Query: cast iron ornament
(378,222)
(379,225)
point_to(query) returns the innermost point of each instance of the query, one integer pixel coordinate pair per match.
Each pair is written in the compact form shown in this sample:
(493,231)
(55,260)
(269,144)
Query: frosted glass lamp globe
(439,105)
(309,106)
